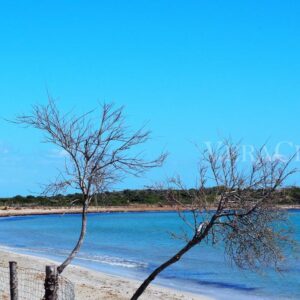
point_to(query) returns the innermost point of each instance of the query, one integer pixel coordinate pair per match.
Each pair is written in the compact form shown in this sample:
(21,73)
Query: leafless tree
(99,152)
(244,215)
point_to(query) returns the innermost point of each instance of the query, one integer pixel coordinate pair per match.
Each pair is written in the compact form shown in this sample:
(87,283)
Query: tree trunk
(162,267)
(96,199)
(76,249)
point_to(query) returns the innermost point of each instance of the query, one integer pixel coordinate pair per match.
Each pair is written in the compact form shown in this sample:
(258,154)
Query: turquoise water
(132,244)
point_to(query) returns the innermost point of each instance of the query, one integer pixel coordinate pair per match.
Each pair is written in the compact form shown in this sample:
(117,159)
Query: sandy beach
(92,285)
(45,210)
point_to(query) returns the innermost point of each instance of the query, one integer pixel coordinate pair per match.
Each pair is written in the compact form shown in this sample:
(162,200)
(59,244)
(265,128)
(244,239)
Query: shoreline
(47,210)
(96,285)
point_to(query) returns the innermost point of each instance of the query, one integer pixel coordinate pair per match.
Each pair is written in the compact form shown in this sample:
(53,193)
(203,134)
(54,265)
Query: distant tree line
(286,196)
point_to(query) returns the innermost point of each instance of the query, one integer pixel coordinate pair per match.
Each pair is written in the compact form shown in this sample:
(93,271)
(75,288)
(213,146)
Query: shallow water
(132,244)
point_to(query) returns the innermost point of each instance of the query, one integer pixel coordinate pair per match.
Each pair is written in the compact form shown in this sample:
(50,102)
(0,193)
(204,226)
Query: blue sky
(195,71)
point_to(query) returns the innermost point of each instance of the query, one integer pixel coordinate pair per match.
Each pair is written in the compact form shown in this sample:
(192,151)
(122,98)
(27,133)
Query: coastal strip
(92,285)
(48,210)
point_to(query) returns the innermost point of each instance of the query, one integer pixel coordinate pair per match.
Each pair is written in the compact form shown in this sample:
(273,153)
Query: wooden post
(13,276)
(51,283)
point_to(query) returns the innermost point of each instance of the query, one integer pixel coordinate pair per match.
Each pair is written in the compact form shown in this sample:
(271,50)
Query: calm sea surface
(132,244)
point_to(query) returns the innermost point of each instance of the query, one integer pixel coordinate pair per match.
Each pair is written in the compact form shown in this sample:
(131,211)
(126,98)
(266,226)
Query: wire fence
(31,285)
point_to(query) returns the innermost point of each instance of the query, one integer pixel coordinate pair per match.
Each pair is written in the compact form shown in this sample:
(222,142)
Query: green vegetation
(125,197)
(287,196)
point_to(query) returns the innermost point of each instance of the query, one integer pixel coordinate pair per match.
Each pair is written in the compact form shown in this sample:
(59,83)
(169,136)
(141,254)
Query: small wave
(113,261)
(101,259)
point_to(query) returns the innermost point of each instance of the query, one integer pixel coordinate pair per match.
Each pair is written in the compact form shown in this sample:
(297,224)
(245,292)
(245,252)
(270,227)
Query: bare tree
(244,211)
(99,152)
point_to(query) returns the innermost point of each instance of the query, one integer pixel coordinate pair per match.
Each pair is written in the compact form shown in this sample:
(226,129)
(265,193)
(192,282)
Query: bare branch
(245,208)
(99,151)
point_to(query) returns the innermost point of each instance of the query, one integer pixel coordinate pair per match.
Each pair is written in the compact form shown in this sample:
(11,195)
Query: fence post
(13,276)
(51,283)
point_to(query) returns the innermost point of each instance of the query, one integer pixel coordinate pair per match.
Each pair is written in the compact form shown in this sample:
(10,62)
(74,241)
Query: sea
(132,244)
